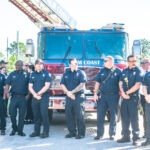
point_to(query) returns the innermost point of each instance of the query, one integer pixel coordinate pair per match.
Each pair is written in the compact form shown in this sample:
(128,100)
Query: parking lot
(56,141)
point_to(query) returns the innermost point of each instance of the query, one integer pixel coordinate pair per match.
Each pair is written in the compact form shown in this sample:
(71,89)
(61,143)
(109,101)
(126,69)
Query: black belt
(18,94)
(108,92)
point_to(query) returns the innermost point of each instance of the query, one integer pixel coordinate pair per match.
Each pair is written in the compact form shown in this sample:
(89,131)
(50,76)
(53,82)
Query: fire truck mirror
(29,48)
(136,48)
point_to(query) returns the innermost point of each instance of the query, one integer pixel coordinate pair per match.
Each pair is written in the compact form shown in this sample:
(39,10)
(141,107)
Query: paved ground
(56,141)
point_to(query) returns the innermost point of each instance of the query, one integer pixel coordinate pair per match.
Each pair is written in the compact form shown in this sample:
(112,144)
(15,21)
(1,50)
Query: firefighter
(106,93)
(146,91)
(73,83)
(2,105)
(39,85)
(129,86)
(17,82)
(145,68)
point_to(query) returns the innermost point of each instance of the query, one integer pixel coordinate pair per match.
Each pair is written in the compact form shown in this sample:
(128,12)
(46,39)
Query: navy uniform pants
(17,102)
(74,111)
(143,107)
(105,103)
(40,113)
(147,114)
(129,114)
(2,113)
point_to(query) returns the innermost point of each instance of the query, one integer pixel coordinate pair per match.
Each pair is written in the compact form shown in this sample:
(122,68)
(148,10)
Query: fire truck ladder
(45,13)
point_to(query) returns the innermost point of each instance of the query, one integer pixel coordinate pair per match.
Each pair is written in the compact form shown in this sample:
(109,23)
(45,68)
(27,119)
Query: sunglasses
(132,61)
(105,60)
(143,63)
(74,64)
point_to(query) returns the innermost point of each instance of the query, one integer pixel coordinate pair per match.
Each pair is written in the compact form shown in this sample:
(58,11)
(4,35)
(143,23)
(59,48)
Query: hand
(8,95)
(36,96)
(125,96)
(95,98)
(147,98)
(72,96)
(27,97)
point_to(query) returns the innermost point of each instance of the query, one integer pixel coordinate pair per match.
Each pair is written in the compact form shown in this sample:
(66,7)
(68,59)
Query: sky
(135,14)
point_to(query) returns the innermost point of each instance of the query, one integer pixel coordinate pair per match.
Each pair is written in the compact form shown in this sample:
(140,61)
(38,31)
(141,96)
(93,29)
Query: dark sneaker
(70,135)
(136,141)
(79,137)
(97,137)
(21,134)
(146,143)
(112,137)
(13,132)
(2,132)
(44,135)
(34,134)
(123,140)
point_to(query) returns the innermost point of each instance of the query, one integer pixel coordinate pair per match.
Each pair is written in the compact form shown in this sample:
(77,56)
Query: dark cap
(38,61)
(3,62)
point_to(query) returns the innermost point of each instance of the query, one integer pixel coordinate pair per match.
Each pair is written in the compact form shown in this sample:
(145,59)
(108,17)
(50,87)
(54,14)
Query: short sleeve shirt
(147,82)
(111,83)
(18,82)
(38,79)
(72,79)
(130,77)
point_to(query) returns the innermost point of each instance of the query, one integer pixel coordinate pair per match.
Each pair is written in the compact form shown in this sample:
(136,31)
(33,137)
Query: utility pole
(7,49)
(17,50)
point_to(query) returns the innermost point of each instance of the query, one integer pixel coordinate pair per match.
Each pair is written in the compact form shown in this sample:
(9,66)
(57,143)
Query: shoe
(112,137)
(123,140)
(34,134)
(79,137)
(70,135)
(97,137)
(21,134)
(2,132)
(136,141)
(13,132)
(44,135)
(146,143)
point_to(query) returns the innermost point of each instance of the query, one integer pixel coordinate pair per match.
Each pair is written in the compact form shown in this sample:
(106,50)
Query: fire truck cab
(56,46)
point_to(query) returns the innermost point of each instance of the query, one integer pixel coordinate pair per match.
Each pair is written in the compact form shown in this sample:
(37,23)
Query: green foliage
(11,63)
(1,55)
(145,46)
(12,49)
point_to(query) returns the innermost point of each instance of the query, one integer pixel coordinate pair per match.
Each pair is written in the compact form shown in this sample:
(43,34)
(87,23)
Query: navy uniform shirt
(147,82)
(38,80)
(2,84)
(110,85)
(130,77)
(72,79)
(18,82)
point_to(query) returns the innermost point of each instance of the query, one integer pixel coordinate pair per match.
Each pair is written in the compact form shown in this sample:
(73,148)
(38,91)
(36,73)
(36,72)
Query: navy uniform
(129,107)
(2,105)
(147,110)
(109,98)
(40,107)
(18,80)
(74,108)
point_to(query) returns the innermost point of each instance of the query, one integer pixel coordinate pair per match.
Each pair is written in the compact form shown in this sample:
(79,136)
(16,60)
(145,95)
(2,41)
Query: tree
(145,46)
(13,50)
(1,55)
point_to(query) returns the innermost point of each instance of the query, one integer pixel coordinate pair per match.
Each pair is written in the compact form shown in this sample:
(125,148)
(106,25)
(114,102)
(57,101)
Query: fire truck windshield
(89,45)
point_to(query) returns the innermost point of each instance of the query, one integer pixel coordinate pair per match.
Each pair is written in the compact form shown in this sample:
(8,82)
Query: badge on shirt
(13,77)
(25,74)
(49,75)
(134,73)
(43,75)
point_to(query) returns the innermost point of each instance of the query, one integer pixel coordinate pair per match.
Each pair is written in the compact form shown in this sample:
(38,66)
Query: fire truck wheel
(50,114)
